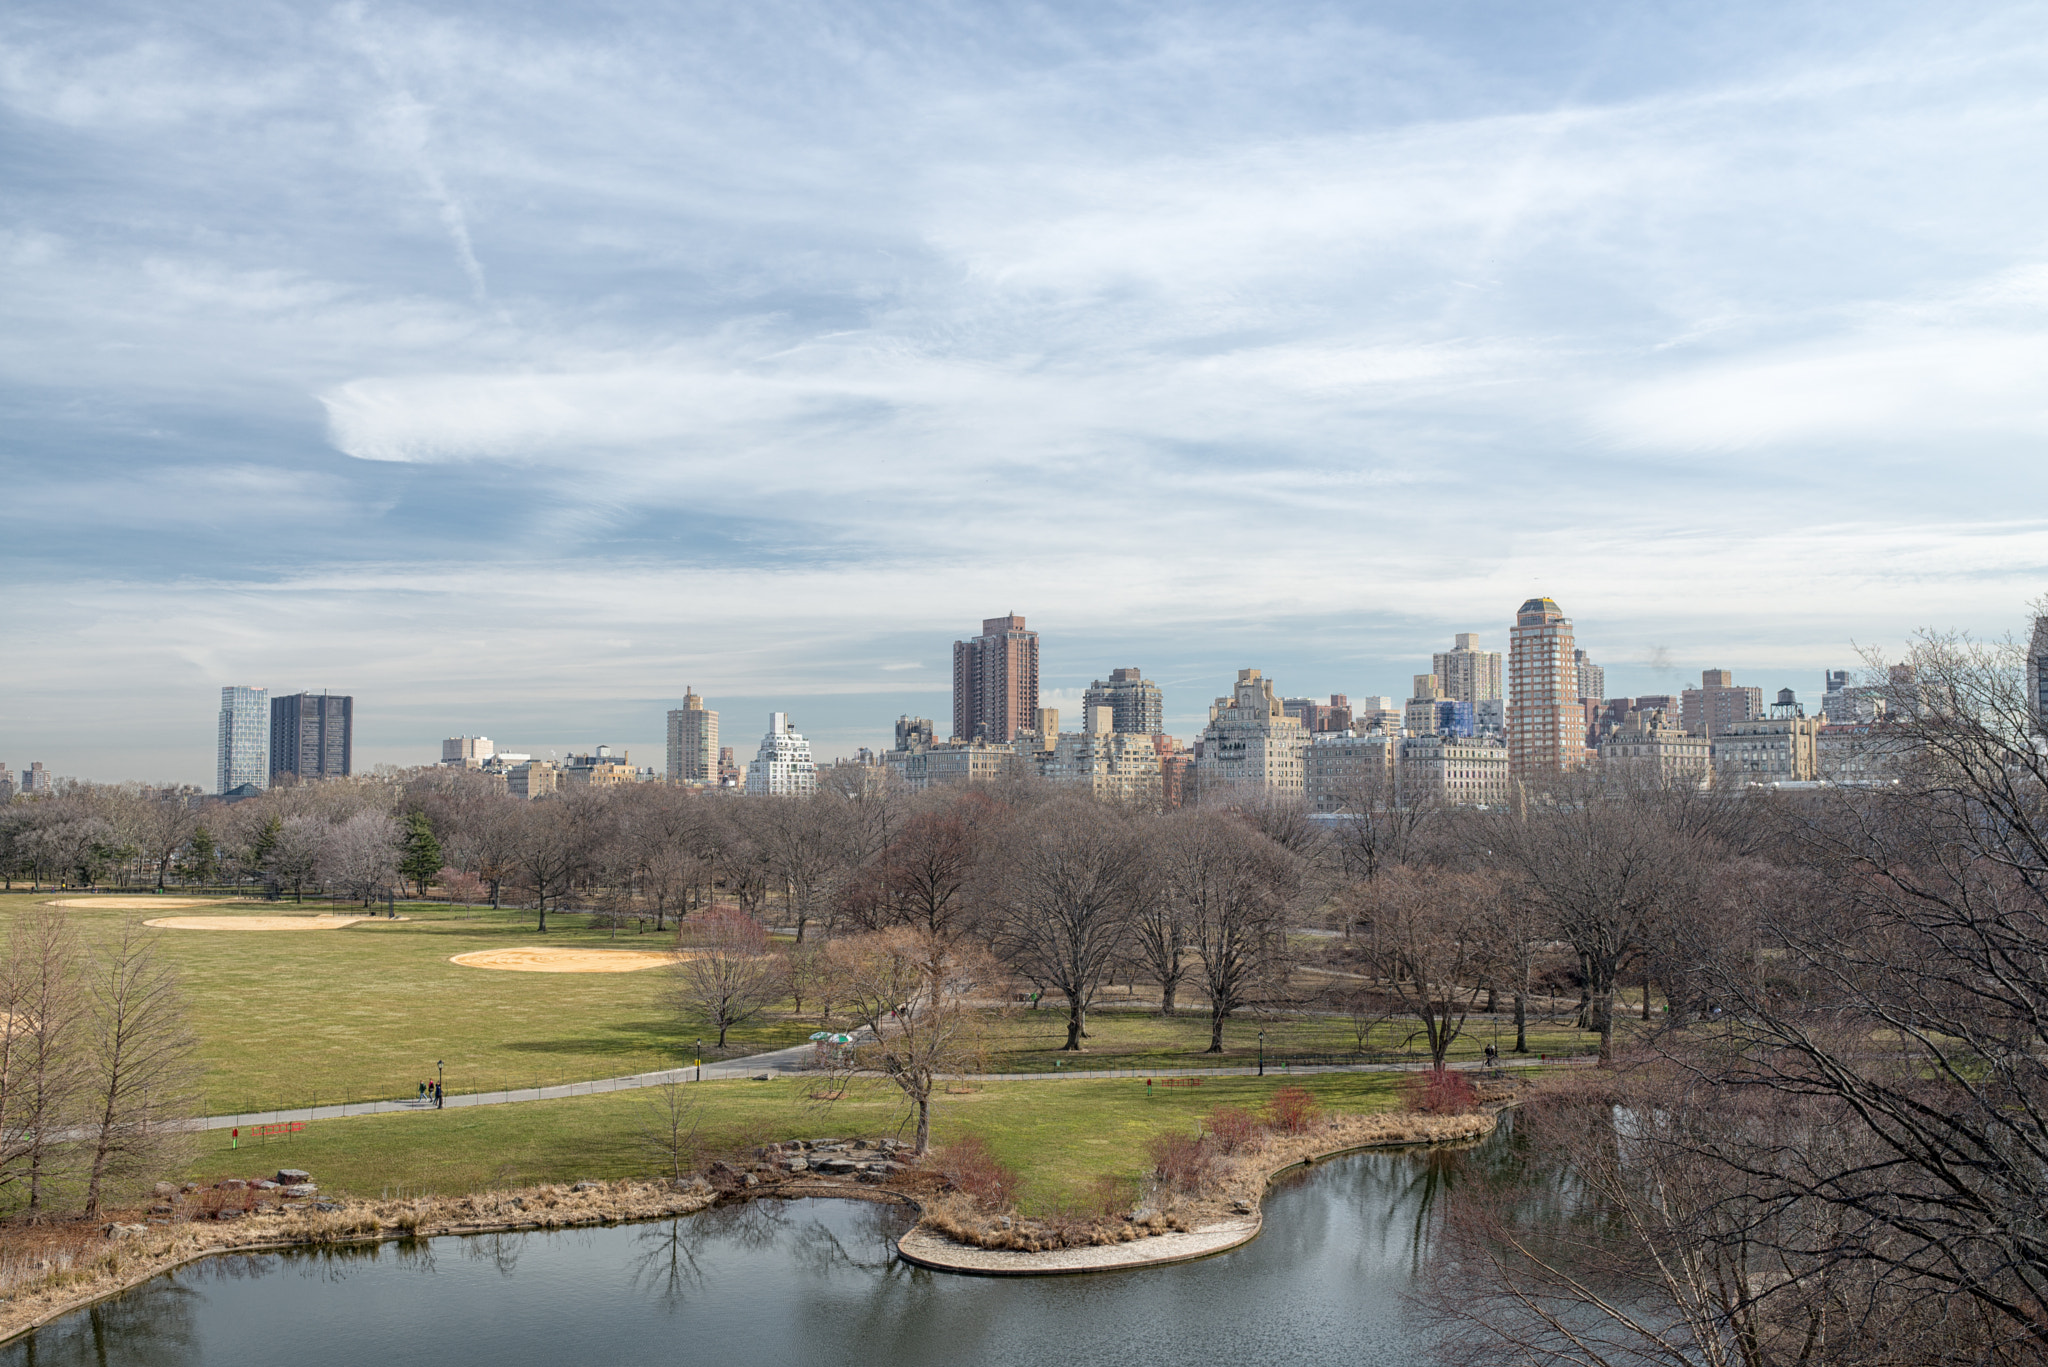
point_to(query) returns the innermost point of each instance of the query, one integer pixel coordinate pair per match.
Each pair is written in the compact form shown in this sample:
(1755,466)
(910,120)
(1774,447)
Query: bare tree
(906,990)
(1072,874)
(671,1113)
(924,878)
(361,854)
(139,1076)
(725,972)
(804,844)
(163,828)
(1230,885)
(42,1071)
(1429,944)
(546,848)
(294,852)
(1162,943)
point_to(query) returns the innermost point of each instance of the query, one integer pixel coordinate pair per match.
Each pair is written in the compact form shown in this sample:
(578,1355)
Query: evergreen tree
(265,847)
(202,862)
(420,855)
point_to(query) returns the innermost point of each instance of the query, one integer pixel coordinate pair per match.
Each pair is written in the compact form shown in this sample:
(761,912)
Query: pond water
(789,1282)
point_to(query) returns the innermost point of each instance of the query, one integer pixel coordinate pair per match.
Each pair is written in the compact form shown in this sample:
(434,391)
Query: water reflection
(793,1282)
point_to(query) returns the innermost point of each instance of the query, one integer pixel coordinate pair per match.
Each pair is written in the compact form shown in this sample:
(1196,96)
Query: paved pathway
(786,1062)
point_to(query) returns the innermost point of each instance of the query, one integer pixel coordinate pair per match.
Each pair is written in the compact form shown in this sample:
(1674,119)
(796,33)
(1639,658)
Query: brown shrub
(1232,1128)
(1439,1092)
(1182,1161)
(1291,1110)
(968,1165)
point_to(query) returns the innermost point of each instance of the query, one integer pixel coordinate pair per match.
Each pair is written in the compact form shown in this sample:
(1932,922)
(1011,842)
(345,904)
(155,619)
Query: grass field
(288,1019)
(1060,1135)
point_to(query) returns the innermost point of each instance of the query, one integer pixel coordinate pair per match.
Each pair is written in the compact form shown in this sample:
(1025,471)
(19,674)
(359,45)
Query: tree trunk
(1215,1033)
(1603,1021)
(1492,999)
(1075,1012)
(924,1124)
(1521,1022)
(1166,991)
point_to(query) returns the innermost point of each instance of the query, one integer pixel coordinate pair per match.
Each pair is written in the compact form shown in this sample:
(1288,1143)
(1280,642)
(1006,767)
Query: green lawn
(288,1019)
(1061,1136)
(1027,1041)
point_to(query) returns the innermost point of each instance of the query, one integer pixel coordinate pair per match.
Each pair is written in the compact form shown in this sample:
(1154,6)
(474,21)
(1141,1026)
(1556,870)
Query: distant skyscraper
(37,779)
(2037,673)
(1546,725)
(913,733)
(1466,672)
(1592,678)
(1718,704)
(6,785)
(783,765)
(692,741)
(1133,700)
(312,735)
(244,757)
(467,752)
(995,682)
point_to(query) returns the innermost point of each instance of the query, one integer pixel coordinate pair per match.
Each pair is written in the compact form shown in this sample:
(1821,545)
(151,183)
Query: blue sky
(511,367)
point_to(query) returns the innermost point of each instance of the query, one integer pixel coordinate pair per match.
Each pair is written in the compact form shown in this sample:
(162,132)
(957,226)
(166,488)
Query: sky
(513,367)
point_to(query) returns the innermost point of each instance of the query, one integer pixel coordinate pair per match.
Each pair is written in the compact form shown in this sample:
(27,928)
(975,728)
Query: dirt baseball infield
(139,903)
(542,959)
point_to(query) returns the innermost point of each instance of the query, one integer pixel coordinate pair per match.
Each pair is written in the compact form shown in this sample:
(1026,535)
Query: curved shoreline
(941,1254)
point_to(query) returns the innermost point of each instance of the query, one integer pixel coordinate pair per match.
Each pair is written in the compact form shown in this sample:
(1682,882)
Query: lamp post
(700,1060)
(439,1099)
(1262,1053)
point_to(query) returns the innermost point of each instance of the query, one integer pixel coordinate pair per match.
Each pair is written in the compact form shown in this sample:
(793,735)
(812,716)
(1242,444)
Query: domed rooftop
(1538,608)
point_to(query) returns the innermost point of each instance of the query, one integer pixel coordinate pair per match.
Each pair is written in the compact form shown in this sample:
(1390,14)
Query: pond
(789,1282)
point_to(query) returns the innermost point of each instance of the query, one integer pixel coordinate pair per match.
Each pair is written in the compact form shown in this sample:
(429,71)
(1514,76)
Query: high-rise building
(1419,718)
(311,735)
(2037,673)
(1466,672)
(1320,718)
(467,752)
(6,785)
(1109,761)
(244,755)
(1592,678)
(1136,701)
(1250,741)
(1718,704)
(913,733)
(995,682)
(37,779)
(782,766)
(1546,726)
(692,741)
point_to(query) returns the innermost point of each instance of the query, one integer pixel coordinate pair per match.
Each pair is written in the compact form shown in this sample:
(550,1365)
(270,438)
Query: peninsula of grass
(1060,1136)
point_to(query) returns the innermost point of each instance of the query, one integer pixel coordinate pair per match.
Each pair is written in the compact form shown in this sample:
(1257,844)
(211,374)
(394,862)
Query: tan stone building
(954,762)
(692,741)
(599,769)
(1649,742)
(1459,771)
(1780,748)
(535,778)
(1466,672)
(1346,773)
(1250,742)
(1109,763)
(1718,703)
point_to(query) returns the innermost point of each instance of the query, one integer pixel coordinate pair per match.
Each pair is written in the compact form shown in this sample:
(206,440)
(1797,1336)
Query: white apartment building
(1653,744)
(953,762)
(1466,672)
(1250,741)
(692,741)
(782,766)
(1459,771)
(1780,748)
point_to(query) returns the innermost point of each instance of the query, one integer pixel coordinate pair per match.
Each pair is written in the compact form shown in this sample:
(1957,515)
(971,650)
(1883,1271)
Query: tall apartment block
(1133,700)
(1592,678)
(312,735)
(1250,741)
(2037,673)
(6,785)
(1717,704)
(783,766)
(1546,725)
(692,741)
(1467,673)
(244,755)
(995,682)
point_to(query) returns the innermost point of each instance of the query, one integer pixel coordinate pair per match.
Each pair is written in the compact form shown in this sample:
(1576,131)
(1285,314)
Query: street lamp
(700,1060)
(1262,1053)
(439,1099)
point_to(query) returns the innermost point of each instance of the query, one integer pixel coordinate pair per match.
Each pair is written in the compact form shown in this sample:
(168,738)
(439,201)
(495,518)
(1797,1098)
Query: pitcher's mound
(321,922)
(139,903)
(539,959)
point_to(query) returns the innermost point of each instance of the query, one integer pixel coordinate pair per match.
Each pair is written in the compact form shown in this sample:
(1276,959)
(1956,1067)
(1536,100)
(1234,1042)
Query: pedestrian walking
(423,1091)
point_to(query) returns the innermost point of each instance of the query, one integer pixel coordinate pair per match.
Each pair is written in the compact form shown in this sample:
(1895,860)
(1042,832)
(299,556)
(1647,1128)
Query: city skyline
(518,368)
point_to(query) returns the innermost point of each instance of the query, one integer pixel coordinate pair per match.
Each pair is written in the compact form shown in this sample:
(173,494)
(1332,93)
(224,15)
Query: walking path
(782,1062)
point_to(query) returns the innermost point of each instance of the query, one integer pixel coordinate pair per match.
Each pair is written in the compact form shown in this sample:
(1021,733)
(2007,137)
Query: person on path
(440,1097)
(423,1091)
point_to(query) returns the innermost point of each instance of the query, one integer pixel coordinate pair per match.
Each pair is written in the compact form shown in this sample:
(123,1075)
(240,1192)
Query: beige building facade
(1780,748)
(1466,672)
(692,741)
(1650,743)
(1349,773)
(1250,742)
(1458,771)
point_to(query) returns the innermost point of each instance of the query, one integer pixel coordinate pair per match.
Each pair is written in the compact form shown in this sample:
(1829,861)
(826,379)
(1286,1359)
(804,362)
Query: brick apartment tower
(1546,725)
(995,682)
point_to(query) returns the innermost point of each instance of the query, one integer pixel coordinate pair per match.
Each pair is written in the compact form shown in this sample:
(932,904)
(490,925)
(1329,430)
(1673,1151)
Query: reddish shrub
(1293,1109)
(1439,1093)
(1182,1161)
(1232,1128)
(968,1165)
